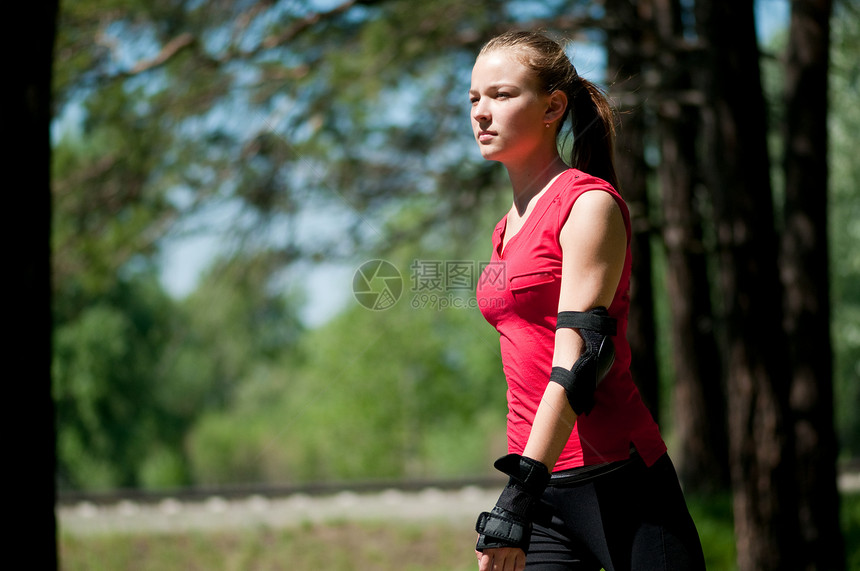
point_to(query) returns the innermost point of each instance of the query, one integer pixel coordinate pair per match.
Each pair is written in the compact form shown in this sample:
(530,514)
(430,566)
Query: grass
(713,517)
(850,513)
(349,546)
(337,546)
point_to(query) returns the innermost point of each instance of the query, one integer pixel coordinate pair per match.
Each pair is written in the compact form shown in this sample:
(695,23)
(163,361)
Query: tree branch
(187,40)
(169,50)
(302,25)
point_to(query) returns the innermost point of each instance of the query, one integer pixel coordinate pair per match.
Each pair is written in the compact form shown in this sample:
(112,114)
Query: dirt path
(221,514)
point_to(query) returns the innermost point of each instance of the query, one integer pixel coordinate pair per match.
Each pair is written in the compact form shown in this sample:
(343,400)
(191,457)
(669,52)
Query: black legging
(633,518)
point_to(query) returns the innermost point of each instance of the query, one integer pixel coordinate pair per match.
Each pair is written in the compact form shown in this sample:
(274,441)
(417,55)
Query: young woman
(590,484)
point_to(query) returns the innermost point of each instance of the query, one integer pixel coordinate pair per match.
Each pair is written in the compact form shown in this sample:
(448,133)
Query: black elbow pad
(596,329)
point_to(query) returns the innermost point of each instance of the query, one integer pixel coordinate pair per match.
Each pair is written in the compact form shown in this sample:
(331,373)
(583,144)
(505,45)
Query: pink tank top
(518,294)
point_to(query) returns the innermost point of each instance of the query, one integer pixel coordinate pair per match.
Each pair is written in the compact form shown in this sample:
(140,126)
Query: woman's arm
(594,244)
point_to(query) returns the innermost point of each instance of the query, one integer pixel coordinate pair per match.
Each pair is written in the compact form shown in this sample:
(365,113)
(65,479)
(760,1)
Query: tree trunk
(804,265)
(31,453)
(761,449)
(701,452)
(624,53)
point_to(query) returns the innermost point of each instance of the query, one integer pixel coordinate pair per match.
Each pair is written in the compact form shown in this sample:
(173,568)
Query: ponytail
(593,128)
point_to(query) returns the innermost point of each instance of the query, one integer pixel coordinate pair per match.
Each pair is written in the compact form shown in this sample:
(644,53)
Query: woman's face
(508,109)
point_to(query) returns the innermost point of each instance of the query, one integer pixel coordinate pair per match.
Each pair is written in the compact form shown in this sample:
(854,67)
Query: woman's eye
(502,95)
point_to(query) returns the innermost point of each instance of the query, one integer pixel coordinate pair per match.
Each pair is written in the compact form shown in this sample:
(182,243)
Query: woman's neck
(529,180)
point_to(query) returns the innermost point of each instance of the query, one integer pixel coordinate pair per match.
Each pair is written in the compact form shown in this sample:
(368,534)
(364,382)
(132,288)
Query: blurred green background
(220,172)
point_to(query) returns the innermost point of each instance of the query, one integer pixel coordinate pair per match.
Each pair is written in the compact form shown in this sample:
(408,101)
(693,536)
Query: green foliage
(264,109)
(415,390)
(106,386)
(135,370)
(714,521)
(844,215)
(399,392)
(166,109)
(237,319)
(105,215)
(850,519)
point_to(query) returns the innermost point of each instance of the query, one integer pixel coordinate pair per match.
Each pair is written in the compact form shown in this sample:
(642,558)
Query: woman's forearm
(552,427)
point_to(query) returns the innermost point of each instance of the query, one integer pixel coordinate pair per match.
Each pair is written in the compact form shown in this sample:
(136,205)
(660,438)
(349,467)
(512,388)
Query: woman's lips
(484,136)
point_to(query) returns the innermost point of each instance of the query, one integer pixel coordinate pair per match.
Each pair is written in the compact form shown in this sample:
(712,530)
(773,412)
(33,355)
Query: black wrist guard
(509,522)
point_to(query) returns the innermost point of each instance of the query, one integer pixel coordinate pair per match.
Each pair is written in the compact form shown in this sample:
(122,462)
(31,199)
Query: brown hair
(592,118)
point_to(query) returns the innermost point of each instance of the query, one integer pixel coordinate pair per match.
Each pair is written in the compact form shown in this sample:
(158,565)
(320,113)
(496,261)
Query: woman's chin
(490,154)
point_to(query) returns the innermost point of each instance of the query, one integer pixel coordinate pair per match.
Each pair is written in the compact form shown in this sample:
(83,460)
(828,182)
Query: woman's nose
(479,112)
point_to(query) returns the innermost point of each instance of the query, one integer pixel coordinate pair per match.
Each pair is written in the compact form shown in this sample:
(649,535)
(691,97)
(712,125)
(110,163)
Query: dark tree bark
(701,453)
(31,453)
(624,59)
(805,272)
(761,448)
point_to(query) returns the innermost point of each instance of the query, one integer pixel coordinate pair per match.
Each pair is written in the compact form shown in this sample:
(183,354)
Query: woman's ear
(556,106)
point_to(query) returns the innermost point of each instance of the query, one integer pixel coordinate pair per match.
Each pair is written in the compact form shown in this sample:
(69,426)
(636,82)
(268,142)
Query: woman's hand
(501,559)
